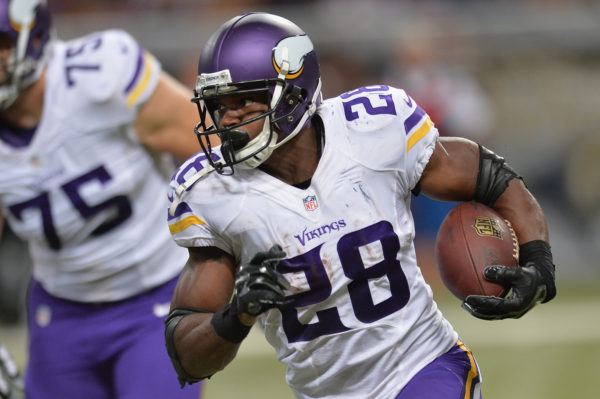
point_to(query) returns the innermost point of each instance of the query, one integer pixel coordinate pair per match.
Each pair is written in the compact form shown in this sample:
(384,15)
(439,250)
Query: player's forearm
(523,211)
(201,351)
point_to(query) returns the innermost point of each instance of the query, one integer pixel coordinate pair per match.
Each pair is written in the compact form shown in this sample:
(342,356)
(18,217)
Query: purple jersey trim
(180,210)
(414,119)
(138,70)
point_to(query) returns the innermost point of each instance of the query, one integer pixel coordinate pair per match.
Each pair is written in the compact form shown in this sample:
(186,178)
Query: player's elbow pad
(493,177)
(171,323)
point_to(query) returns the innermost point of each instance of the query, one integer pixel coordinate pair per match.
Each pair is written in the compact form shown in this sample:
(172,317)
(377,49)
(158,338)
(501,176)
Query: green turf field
(551,353)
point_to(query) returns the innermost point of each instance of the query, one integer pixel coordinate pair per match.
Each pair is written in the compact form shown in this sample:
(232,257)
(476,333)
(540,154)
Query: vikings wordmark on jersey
(348,238)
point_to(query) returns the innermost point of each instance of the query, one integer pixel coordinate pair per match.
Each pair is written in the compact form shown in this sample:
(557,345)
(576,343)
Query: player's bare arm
(165,122)
(203,326)
(451,175)
(204,286)
(461,170)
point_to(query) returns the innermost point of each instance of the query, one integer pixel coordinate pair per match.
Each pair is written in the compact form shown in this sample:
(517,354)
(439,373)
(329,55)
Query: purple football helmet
(251,54)
(25,29)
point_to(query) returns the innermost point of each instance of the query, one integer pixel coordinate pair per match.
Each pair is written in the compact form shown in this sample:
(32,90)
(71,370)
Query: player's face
(5,50)
(231,110)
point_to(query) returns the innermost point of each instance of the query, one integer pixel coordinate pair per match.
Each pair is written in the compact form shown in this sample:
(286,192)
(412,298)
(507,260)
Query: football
(471,237)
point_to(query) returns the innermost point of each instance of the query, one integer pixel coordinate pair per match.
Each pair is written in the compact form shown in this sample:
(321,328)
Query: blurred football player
(81,123)
(301,217)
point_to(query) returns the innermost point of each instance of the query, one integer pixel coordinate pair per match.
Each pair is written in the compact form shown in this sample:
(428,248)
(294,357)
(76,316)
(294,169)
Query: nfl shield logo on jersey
(310,203)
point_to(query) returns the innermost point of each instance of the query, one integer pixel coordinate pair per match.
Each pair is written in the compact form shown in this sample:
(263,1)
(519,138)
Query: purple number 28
(365,102)
(364,307)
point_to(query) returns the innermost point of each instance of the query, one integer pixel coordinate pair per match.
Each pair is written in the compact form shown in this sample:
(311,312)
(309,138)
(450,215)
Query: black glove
(11,385)
(529,284)
(259,286)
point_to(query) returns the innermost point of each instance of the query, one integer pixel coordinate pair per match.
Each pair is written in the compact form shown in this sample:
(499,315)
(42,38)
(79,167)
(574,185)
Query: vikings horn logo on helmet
(298,47)
(22,13)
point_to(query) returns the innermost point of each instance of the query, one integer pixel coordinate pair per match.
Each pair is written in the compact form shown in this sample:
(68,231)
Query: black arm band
(538,252)
(227,324)
(493,177)
(170,324)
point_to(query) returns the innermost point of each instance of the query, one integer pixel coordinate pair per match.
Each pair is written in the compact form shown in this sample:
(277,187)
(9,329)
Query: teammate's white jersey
(81,189)
(364,321)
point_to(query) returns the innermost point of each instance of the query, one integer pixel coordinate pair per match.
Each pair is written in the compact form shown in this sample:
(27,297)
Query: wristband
(228,325)
(538,252)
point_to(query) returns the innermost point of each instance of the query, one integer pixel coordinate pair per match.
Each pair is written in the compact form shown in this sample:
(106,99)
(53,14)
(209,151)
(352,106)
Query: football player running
(81,123)
(301,221)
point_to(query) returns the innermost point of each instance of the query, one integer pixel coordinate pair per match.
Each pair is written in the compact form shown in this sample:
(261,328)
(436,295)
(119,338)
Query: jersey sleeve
(194,217)
(109,76)
(420,136)
(388,130)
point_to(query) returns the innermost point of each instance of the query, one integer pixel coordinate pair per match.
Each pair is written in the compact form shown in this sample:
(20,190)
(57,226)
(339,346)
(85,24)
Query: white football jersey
(81,189)
(364,320)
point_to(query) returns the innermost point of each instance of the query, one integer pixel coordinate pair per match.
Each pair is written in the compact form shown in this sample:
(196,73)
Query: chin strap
(312,108)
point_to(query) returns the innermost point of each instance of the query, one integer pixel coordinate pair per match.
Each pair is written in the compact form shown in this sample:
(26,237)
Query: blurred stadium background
(521,77)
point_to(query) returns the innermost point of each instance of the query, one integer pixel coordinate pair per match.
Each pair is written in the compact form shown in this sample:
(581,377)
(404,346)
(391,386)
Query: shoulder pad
(385,129)
(120,65)
(372,108)
(188,174)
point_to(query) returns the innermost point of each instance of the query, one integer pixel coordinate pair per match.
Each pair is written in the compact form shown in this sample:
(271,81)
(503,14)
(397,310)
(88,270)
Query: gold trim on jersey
(419,133)
(473,372)
(139,89)
(183,224)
